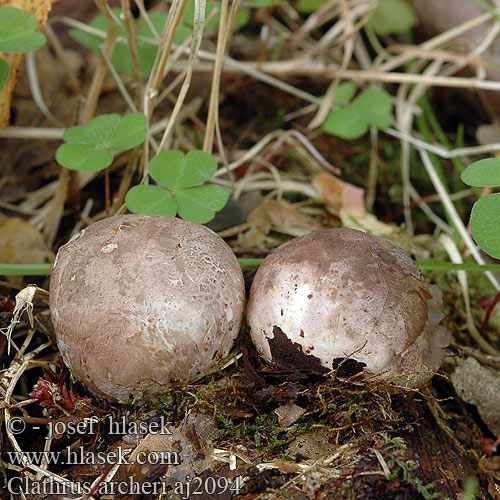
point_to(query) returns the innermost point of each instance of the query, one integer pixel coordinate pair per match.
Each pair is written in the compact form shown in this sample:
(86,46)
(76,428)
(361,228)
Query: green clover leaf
(174,170)
(344,93)
(482,173)
(83,157)
(98,131)
(393,17)
(200,203)
(129,133)
(89,148)
(351,121)
(485,224)
(181,175)
(120,58)
(375,106)
(485,215)
(151,200)
(345,123)
(18,31)
(310,6)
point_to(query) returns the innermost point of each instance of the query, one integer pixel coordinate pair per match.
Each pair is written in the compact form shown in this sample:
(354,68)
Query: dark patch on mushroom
(289,356)
(302,333)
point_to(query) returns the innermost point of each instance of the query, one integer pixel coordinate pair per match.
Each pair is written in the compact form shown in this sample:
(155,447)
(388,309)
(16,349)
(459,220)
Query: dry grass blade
(196,38)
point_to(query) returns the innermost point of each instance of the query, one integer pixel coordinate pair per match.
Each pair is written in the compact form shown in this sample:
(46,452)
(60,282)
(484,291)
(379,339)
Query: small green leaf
(83,157)
(18,31)
(177,171)
(259,4)
(344,93)
(392,17)
(151,200)
(4,72)
(163,166)
(345,123)
(76,134)
(92,41)
(97,132)
(120,58)
(309,6)
(482,173)
(200,203)
(198,167)
(100,130)
(375,106)
(485,224)
(87,148)
(130,132)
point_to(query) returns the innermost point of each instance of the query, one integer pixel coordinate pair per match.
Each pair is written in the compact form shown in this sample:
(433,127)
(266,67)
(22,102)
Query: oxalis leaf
(309,6)
(130,132)
(200,203)
(177,171)
(371,107)
(151,200)
(88,148)
(375,106)
(18,31)
(146,52)
(345,123)
(97,132)
(482,173)
(344,93)
(392,16)
(485,224)
(84,157)
(181,175)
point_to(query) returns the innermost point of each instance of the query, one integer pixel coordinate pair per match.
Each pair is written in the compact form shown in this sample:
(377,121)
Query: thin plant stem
(132,45)
(208,140)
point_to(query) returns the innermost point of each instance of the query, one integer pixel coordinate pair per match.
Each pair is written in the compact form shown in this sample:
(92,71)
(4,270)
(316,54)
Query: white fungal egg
(343,293)
(141,301)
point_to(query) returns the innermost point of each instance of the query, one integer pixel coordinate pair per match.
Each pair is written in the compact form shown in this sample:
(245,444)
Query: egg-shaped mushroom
(344,293)
(142,301)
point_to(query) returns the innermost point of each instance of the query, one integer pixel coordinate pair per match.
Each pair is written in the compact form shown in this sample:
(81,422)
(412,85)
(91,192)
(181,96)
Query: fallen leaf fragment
(192,441)
(280,216)
(289,414)
(348,202)
(339,195)
(22,243)
(480,386)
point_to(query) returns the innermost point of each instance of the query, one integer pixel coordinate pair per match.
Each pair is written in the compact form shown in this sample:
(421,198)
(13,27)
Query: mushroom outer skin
(141,301)
(343,293)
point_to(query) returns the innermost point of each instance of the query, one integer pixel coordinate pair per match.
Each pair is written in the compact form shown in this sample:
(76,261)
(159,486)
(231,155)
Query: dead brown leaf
(276,215)
(40,10)
(289,414)
(348,203)
(22,243)
(339,195)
